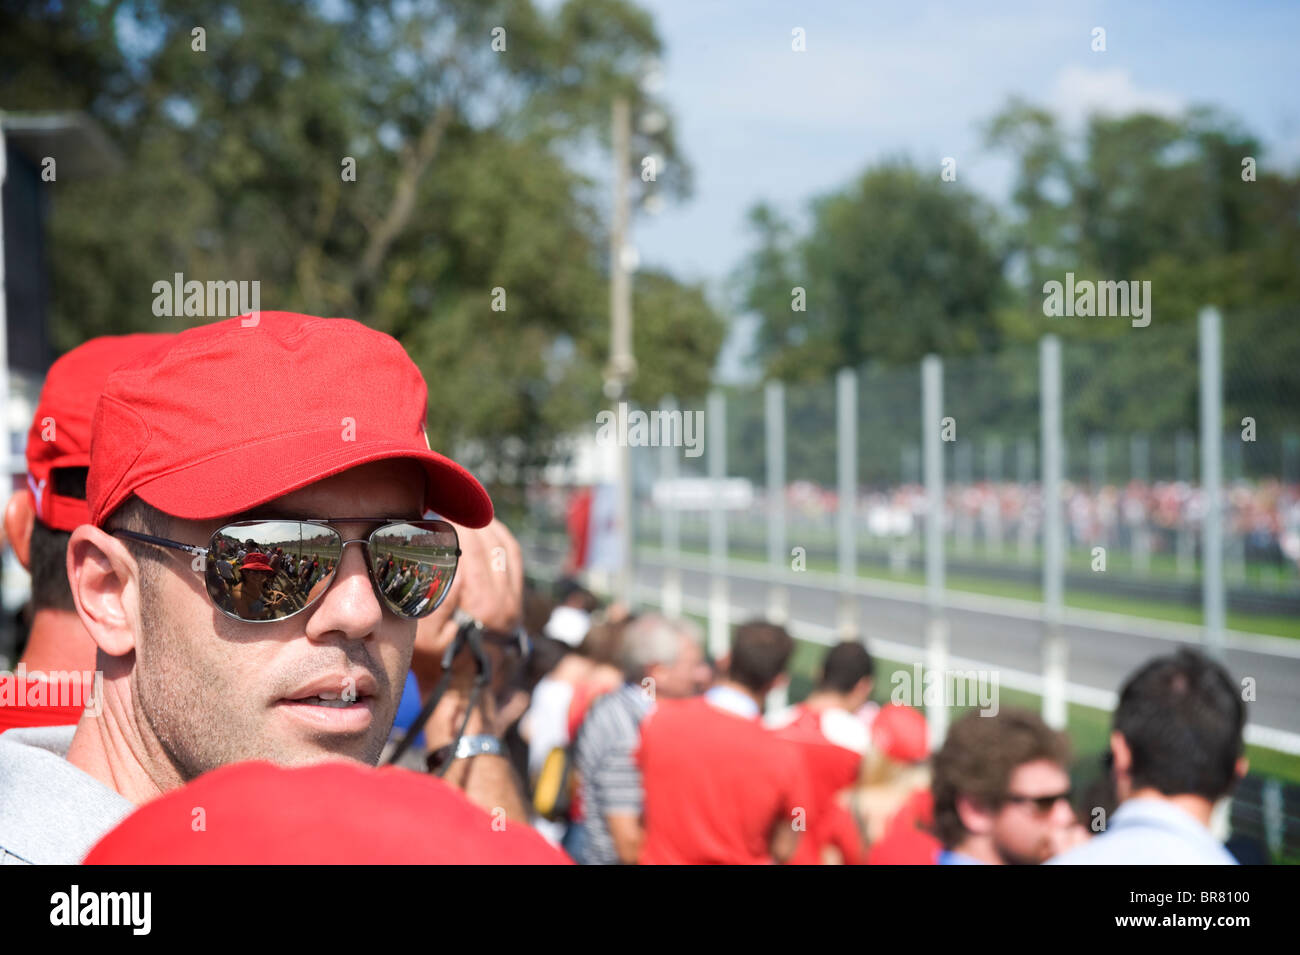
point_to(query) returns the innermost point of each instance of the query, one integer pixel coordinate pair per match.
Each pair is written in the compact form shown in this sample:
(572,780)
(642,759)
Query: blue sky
(760,122)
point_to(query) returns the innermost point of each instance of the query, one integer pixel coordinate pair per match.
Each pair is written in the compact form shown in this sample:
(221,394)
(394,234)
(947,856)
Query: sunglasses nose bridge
(366,559)
(367,555)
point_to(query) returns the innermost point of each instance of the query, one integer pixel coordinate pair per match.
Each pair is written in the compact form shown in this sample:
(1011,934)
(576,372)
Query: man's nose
(350,605)
(1063,813)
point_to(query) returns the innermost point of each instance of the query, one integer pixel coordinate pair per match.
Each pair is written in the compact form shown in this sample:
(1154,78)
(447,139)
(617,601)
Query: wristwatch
(467,747)
(480,744)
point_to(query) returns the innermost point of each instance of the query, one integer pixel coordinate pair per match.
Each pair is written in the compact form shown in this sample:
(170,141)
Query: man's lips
(340,686)
(336,702)
(331,717)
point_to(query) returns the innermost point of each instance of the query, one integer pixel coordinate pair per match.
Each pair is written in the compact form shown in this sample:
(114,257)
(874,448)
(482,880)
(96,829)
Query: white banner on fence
(701,494)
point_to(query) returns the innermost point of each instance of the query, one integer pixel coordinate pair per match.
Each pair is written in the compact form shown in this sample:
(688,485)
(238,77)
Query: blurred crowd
(1264,515)
(637,749)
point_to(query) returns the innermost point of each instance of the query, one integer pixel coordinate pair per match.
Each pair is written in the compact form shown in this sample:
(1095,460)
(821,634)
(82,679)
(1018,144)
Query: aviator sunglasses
(262,571)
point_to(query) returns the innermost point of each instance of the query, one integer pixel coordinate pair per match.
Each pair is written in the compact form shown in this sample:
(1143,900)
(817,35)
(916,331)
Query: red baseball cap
(178,428)
(60,433)
(256,561)
(900,733)
(334,813)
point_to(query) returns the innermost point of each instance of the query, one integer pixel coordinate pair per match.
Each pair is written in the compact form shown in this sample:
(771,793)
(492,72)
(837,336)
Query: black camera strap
(468,634)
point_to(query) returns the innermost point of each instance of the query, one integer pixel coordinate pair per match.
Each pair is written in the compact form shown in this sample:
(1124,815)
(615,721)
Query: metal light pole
(622,366)
(778,608)
(936,630)
(1212,591)
(1055,649)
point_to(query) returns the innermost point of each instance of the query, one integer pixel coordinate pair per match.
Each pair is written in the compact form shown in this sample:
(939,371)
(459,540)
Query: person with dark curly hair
(1002,792)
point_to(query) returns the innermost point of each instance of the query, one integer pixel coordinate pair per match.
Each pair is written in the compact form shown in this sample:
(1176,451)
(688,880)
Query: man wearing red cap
(194,679)
(54,676)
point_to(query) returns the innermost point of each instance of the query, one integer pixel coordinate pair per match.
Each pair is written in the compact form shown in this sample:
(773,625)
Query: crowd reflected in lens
(268,570)
(414,564)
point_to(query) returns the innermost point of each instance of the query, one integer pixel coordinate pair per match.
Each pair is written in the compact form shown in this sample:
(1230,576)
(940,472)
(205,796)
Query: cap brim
(244,478)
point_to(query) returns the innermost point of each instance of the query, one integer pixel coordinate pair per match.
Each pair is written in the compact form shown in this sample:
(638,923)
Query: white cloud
(1078,91)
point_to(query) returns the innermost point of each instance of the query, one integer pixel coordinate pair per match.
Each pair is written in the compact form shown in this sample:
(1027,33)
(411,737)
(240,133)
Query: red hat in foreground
(60,432)
(332,394)
(335,813)
(900,733)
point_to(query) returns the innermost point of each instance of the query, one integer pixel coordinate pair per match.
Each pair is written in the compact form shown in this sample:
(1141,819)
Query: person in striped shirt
(661,658)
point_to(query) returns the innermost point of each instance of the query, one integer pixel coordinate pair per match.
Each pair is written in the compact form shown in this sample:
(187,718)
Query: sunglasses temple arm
(163,542)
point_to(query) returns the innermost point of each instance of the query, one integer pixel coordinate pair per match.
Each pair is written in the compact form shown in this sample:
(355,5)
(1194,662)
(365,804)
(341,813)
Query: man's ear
(1120,753)
(20,517)
(105,582)
(975,818)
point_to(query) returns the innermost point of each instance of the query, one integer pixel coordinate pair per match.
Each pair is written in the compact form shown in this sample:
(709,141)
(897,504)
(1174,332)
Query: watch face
(480,745)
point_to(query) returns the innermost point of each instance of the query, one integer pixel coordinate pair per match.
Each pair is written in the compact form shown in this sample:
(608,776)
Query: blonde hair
(884,785)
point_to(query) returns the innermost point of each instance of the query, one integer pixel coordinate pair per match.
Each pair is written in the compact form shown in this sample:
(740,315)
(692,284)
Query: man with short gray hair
(660,658)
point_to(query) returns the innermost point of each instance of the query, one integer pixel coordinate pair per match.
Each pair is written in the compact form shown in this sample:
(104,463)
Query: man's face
(255,580)
(214,690)
(1021,832)
(686,675)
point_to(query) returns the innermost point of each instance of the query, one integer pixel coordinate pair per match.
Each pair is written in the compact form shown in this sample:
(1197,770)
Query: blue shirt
(953,857)
(1149,832)
(733,701)
(408,708)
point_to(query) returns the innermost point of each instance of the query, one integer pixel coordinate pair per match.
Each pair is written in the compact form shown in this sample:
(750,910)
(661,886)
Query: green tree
(1164,200)
(460,116)
(897,265)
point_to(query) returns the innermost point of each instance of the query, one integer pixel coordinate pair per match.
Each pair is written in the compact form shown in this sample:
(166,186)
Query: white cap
(569,625)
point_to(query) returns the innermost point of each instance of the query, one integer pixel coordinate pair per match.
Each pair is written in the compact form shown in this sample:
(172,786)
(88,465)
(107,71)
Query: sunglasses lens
(267,570)
(1046,804)
(414,565)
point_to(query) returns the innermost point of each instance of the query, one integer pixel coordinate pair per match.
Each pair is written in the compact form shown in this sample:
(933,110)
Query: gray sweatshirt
(51,813)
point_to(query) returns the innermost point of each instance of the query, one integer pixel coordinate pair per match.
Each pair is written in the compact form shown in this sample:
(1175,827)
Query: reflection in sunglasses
(268,570)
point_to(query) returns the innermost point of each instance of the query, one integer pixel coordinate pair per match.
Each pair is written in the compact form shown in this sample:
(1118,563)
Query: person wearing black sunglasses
(1002,791)
(205,666)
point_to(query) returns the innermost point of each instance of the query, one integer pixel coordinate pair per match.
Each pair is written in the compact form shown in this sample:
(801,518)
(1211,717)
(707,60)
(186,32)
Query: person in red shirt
(720,788)
(909,838)
(833,740)
(257,813)
(54,678)
(885,804)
